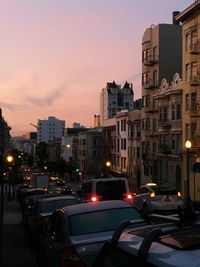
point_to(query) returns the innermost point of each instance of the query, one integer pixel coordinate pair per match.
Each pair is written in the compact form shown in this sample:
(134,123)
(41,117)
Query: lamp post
(188,145)
(9,159)
(108,165)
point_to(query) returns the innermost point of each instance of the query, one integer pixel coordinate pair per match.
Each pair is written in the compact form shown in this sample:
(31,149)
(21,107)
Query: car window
(105,220)
(111,189)
(49,206)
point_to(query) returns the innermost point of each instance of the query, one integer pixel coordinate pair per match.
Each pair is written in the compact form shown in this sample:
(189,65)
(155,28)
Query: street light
(108,163)
(188,145)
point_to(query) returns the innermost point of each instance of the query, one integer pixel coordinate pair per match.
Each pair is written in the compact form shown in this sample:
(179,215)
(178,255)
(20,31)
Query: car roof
(96,206)
(57,198)
(106,179)
(168,249)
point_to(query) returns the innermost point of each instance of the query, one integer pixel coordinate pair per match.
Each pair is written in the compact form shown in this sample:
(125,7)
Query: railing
(151,60)
(150,85)
(194,81)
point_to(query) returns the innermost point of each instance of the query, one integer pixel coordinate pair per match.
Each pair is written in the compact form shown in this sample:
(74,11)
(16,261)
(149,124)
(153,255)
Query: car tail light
(45,189)
(179,194)
(152,194)
(70,258)
(94,198)
(128,197)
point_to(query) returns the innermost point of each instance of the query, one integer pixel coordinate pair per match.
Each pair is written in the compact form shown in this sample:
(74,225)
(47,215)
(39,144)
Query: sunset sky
(57,55)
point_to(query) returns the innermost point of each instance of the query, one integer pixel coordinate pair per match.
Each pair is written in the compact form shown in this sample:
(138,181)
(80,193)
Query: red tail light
(45,189)
(128,197)
(94,198)
(70,258)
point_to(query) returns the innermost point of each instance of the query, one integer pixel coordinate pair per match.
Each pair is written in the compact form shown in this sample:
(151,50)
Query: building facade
(48,130)
(190,19)
(114,98)
(161,58)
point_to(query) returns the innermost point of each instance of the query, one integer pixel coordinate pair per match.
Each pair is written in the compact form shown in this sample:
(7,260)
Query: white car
(75,234)
(153,198)
(170,244)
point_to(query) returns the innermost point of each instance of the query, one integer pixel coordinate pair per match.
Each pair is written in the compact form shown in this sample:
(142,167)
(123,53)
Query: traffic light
(77,169)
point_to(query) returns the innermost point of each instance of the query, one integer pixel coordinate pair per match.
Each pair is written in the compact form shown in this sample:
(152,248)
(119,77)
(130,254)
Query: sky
(57,55)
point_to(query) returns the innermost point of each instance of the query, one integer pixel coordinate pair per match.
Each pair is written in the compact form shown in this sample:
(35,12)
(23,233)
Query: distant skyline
(57,55)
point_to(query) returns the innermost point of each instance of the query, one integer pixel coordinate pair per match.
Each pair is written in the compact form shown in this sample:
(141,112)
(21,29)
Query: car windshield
(111,189)
(100,221)
(49,206)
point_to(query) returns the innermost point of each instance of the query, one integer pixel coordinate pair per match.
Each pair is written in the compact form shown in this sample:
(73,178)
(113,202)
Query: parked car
(41,212)
(106,189)
(75,234)
(154,198)
(27,192)
(60,182)
(169,244)
(66,190)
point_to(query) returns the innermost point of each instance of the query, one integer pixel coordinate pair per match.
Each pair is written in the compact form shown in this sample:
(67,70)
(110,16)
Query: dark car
(41,212)
(60,182)
(75,234)
(66,190)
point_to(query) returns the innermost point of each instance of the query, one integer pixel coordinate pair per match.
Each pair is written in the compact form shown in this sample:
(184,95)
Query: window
(193,131)
(165,114)
(187,102)
(187,42)
(173,112)
(187,72)
(187,131)
(155,77)
(193,40)
(193,101)
(178,111)
(193,70)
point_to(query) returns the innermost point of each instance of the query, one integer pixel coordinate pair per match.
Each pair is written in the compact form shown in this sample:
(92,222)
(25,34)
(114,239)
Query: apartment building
(134,148)
(190,20)
(166,150)
(90,150)
(48,130)
(114,98)
(161,58)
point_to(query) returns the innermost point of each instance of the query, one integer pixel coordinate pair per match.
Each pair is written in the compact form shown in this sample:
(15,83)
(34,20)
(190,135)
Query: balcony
(194,81)
(164,124)
(150,85)
(151,60)
(195,111)
(194,49)
(164,149)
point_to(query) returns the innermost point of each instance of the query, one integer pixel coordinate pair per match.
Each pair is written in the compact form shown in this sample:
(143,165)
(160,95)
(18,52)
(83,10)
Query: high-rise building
(161,58)
(50,129)
(114,98)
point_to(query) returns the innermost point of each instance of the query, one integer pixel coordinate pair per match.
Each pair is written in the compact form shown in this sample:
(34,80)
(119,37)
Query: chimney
(174,21)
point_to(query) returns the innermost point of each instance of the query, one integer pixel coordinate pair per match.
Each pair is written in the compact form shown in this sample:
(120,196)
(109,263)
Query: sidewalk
(15,248)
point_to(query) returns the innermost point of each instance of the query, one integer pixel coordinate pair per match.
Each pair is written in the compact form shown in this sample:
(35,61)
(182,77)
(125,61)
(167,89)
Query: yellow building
(190,19)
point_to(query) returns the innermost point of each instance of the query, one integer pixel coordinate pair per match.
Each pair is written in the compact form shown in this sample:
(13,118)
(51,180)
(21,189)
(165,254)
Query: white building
(115,98)
(50,129)
(66,147)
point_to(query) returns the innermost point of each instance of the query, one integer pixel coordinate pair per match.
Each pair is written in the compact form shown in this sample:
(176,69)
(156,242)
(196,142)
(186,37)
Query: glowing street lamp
(9,158)
(108,163)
